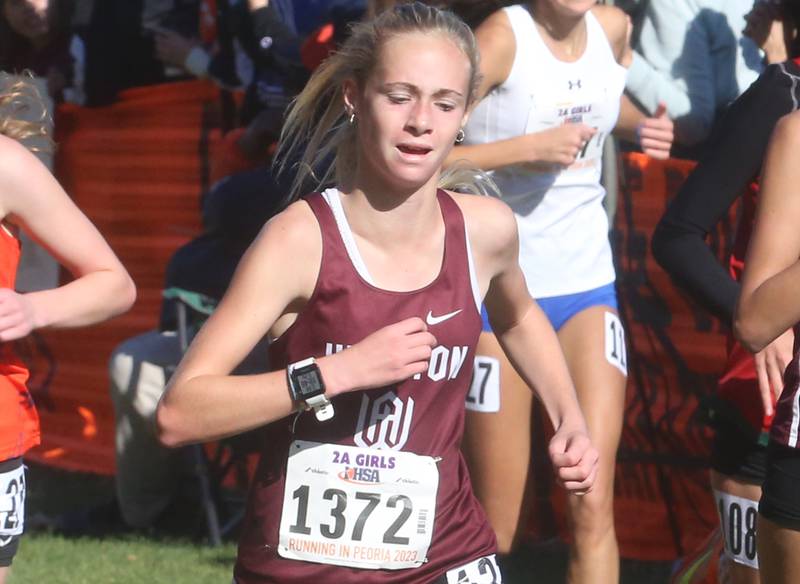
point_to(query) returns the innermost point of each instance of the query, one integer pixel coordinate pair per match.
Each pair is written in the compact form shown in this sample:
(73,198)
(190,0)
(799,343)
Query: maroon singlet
(424,416)
(786,424)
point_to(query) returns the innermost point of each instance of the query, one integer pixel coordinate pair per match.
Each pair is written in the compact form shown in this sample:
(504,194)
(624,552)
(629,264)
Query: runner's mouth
(416,150)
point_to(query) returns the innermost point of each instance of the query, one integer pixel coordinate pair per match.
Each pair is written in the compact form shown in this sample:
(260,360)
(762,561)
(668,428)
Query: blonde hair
(18,97)
(317,140)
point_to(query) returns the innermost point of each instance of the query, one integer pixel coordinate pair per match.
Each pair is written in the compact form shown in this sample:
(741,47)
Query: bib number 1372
(358,507)
(369,502)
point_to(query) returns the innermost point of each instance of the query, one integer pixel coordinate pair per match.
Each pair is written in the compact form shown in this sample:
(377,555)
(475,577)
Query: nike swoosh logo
(432,320)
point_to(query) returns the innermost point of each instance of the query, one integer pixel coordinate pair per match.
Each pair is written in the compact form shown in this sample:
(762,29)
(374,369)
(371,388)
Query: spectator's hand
(257,4)
(172,48)
(17,318)
(656,134)
(771,362)
(764,24)
(389,355)
(574,459)
(560,145)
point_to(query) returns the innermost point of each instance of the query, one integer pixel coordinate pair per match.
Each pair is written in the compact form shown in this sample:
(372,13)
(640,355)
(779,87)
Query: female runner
(553,77)
(31,200)
(767,307)
(371,290)
(748,388)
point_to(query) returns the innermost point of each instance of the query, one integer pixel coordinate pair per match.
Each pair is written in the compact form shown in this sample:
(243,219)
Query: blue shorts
(559,309)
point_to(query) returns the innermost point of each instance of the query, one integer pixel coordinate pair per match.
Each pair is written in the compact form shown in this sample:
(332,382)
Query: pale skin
(768,304)
(500,483)
(31,200)
(405,106)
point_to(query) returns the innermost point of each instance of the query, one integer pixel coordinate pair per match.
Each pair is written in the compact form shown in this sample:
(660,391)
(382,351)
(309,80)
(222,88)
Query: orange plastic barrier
(136,169)
(676,353)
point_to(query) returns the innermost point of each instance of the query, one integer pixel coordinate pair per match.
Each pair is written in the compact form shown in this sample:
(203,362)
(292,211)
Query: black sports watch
(306,387)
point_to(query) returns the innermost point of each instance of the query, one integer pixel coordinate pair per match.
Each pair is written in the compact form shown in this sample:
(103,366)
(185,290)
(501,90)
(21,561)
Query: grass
(64,545)
(125,559)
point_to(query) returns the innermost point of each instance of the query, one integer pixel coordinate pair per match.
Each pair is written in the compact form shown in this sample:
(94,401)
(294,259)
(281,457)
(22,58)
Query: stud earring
(460,136)
(352,117)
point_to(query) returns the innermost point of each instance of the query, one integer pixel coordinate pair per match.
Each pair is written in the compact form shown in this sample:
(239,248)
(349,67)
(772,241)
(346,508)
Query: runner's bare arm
(527,337)
(32,199)
(203,401)
(768,304)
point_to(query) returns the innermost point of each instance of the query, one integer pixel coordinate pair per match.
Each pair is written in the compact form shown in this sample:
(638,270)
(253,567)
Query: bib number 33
(357,507)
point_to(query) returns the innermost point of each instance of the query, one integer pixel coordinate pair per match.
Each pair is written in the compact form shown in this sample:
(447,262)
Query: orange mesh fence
(676,353)
(136,168)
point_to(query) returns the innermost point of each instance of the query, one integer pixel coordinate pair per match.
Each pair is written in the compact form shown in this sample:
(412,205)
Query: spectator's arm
(734,160)
(271,35)
(679,72)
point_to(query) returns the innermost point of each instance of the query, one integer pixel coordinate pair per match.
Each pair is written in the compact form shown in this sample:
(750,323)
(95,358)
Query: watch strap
(322,406)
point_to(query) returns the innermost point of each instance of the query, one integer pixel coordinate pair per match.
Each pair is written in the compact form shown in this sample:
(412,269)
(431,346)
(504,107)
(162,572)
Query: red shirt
(739,383)
(19,422)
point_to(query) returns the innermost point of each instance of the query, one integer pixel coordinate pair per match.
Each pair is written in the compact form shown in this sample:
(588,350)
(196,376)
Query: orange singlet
(19,422)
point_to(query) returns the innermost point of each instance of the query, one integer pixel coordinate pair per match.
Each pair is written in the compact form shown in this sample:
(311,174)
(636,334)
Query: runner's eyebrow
(411,88)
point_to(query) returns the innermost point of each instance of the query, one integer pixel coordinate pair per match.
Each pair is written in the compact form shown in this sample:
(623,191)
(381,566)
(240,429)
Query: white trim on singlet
(795,80)
(333,198)
(793,430)
(7,230)
(473,277)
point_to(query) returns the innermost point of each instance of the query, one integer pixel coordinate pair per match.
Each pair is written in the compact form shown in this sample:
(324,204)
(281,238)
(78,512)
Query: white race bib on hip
(357,507)
(12,502)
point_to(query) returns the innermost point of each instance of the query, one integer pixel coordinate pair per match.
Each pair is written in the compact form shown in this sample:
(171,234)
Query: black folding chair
(222,513)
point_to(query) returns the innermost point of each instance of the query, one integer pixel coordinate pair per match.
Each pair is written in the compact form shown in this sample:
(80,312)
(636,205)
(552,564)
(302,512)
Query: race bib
(553,108)
(484,390)
(12,502)
(616,353)
(481,571)
(357,507)
(738,517)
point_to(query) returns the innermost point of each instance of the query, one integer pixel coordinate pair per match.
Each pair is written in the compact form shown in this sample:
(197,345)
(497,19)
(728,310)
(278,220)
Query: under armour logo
(574,84)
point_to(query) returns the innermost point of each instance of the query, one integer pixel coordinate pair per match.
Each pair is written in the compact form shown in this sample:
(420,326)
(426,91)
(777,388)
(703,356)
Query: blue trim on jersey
(559,309)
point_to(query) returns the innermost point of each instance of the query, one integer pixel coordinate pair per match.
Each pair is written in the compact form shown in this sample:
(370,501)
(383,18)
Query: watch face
(309,383)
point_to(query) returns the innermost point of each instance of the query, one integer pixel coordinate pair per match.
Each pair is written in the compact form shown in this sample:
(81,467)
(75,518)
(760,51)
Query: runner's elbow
(749,332)
(169,427)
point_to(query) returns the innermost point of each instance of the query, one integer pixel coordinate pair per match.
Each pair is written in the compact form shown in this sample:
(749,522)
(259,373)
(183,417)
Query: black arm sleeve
(732,161)
(285,42)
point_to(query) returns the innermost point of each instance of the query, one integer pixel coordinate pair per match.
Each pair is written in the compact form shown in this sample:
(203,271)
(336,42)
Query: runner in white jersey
(553,80)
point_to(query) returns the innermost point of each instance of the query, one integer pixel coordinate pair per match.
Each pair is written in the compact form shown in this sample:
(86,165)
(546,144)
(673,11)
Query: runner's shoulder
(490,222)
